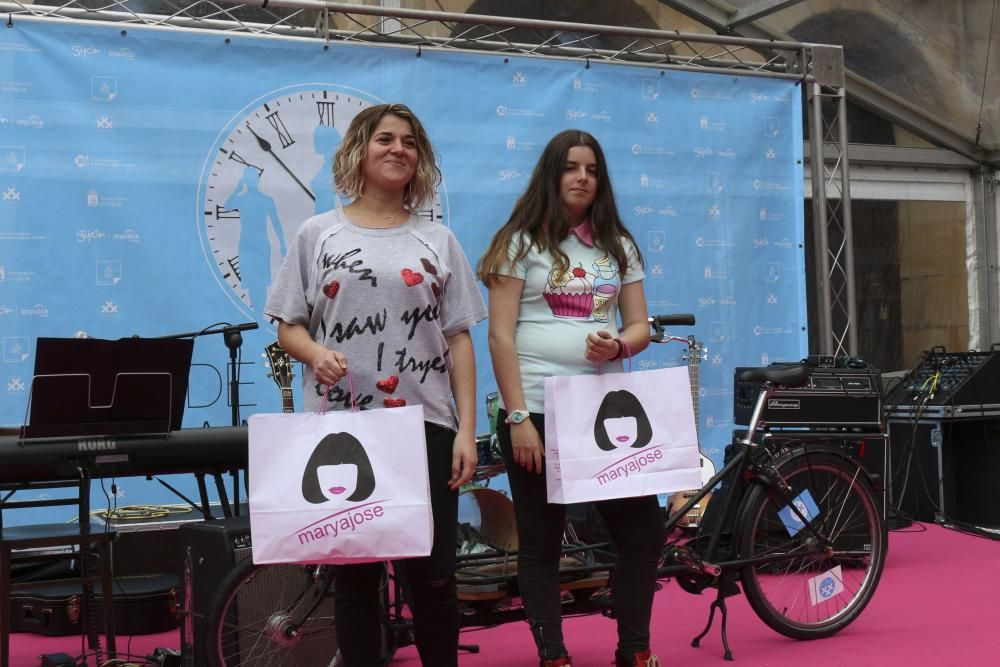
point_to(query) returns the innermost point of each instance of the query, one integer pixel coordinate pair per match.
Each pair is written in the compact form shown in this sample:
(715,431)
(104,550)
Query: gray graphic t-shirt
(387,299)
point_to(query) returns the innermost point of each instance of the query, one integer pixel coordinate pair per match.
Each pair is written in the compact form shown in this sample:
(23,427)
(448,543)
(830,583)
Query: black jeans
(636,528)
(358,608)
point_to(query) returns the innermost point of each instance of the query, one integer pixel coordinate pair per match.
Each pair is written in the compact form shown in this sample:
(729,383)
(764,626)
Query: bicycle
(794,518)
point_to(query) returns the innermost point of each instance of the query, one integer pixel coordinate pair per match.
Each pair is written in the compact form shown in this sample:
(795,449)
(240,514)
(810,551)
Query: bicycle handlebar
(674,319)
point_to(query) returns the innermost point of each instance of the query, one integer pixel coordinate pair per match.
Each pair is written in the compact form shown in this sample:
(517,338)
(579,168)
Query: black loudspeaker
(208,550)
(947,469)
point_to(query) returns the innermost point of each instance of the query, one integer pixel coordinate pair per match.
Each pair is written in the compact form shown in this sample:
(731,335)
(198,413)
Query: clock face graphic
(270,169)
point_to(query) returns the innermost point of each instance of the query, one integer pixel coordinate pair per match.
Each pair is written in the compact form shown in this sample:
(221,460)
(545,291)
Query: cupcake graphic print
(570,293)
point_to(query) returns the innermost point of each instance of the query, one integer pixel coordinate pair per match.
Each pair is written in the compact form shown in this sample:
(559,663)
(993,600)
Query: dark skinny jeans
(636,528)
(358,609)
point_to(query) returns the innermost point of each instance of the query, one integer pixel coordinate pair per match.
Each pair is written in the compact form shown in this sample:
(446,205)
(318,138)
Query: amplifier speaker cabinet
(947,467)
(211,549)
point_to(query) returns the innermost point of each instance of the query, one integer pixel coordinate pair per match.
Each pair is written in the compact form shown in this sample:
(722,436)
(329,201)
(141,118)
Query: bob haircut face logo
(631,422)
(338,449)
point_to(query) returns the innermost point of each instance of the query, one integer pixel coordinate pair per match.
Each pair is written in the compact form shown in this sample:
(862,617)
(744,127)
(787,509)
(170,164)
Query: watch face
(271,169)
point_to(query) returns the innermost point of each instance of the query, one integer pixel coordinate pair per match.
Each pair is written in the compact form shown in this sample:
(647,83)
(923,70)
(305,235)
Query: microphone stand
(233,340)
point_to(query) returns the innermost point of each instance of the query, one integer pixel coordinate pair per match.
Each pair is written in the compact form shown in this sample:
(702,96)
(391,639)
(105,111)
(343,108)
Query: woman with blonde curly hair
(378,289)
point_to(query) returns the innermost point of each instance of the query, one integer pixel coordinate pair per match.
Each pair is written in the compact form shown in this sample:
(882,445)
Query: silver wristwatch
(516,416)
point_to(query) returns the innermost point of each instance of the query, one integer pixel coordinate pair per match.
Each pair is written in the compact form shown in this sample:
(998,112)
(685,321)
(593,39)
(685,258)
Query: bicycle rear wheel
(272,615)
(817,577)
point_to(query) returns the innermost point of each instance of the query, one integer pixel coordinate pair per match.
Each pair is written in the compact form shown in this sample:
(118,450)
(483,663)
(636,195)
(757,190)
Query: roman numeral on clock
(222,213)
(325,111)
(279,127)
(234,267)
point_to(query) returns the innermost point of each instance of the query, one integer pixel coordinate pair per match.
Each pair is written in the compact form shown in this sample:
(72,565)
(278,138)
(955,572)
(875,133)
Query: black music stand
(89,386)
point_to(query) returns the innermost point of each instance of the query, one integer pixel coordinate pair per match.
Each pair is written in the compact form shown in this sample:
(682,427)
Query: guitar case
(143,605)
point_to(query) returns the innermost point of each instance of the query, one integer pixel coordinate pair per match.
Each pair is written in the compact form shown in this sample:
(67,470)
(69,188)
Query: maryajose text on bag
(620,435)
(339,487)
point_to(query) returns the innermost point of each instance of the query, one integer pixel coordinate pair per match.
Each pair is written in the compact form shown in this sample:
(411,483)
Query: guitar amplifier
(836,397)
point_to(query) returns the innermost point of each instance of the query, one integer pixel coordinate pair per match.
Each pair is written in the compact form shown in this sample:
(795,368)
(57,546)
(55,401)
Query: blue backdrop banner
(151,179)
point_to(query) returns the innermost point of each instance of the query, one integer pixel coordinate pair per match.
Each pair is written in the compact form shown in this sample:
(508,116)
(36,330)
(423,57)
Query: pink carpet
(937,605)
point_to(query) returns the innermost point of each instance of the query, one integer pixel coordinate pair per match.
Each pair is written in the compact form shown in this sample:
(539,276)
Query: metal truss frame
(820,68)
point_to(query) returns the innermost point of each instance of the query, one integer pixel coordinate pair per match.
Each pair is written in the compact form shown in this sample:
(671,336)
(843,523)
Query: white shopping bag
(340,487)
(620,435)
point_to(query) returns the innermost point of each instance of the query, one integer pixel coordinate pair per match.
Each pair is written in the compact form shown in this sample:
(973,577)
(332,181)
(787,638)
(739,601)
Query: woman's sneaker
(640,659)
(564,661)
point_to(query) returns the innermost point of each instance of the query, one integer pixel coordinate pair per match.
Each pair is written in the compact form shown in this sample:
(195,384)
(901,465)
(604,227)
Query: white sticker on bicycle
(825,586)
(806,507)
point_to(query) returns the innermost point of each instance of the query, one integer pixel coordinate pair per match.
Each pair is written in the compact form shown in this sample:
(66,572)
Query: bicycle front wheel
(819,566)
(272,615)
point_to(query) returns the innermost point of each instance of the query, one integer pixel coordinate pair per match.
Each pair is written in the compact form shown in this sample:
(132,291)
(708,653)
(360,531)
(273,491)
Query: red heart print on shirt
(388,385)
(428,267)
(394,402)
(411,278)
(331,289)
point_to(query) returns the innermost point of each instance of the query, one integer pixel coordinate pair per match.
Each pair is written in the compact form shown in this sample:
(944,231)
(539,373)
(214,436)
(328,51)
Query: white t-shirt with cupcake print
(559,308)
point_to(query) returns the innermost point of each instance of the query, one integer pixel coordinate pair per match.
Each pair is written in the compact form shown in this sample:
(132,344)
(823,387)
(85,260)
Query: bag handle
(350,387)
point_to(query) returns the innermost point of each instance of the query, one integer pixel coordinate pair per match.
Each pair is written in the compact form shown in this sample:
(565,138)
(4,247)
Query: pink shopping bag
(620,435)
(339,487)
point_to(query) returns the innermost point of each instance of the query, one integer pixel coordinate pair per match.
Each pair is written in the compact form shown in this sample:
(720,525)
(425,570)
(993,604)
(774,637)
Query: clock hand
(265,146)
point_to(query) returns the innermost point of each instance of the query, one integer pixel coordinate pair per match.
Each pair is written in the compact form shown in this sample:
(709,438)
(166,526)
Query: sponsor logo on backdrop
(642,149)
(575,114)
(715,183)
(766,215)
(727,301)
(602,116)
(772,126)
(519,79)
(702,94)
(715,273)
(667,212)
(770,154)
(582,86)
(656,241)
(716,332)
(94,200)
(760,185)
(12,159)
(650,89)
(706,301)
(647,364)
(11,194)
(83,161)
(771,331)
(5,310)
(9,276)
(88,235)
(85,51)
(712,422)
(31,121)
(14,87)
(705,392)
(4,120)
(715,211)
(709,125)
(103,88)
(646,181)
(15,349)
(509,175)
(765,359)
(15,385)
(716,359)
(652,118)
(38,310)
(105,123)
(702,242)
(772,272)
(124,53)
(759,97)
(642,211)
(504,111)
(761,243)
(129,235)
(109,271)
(109,308)
(657,270)
(727,153)
(513,144)
(772,299)
(783,98)
(703,152)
